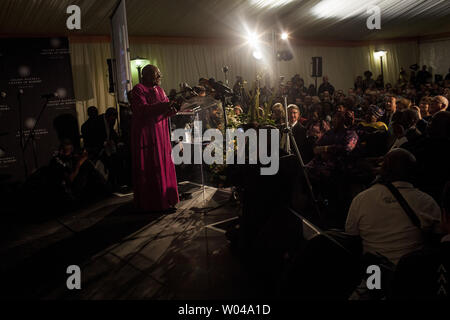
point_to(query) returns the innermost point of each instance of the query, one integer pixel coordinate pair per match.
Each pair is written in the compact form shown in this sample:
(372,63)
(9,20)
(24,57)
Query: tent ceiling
(305,19)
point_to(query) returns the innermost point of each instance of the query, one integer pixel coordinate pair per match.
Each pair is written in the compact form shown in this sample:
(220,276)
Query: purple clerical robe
(154,177)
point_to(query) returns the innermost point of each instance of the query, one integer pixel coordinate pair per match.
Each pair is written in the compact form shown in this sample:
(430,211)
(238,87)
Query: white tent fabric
(187,63)
(311,19)
(90,77)
(436,54)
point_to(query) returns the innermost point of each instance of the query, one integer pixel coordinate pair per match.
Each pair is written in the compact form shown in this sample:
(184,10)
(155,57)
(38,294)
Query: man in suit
(299,133)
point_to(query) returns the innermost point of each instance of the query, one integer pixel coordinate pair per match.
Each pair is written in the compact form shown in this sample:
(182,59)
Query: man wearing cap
(374,113)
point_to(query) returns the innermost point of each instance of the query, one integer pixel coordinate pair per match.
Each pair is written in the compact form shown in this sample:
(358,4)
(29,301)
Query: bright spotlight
(252,39)
(257,55)
(379,53)
(284,36)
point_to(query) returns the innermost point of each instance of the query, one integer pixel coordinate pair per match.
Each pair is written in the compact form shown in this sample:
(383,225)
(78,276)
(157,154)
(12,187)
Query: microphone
(188,88)
(220,87)
(49,95)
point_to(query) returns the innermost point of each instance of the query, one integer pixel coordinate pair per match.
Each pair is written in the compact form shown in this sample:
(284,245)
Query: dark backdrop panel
(35,66)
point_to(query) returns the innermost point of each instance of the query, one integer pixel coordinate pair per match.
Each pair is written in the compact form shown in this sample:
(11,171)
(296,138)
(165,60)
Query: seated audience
(374,113)
(390,107)
(333,147)
(403,104)
(88,129)
(316,126)
(404,125)
(278,114)
(73,176)
(326,86)
(438,103)
(433,155)
(373,134)
(381,222)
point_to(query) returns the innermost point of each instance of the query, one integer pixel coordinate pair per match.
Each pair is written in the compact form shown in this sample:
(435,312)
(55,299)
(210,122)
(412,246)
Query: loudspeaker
(110,75)
(316,67)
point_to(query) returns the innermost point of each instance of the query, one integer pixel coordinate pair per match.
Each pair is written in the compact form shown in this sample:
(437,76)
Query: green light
(139,63)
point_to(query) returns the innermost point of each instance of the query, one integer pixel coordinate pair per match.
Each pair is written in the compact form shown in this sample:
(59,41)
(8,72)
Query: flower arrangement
(257,116)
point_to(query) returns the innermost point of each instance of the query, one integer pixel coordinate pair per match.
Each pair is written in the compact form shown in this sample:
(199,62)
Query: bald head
(438,103)
(398,165)
(151,76)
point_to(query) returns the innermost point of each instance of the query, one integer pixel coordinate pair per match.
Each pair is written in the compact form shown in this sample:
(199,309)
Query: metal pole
(196,141)
(288,138)
(139,74)
(305,173)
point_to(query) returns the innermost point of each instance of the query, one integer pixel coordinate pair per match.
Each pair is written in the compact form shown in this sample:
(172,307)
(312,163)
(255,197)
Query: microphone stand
(31,136)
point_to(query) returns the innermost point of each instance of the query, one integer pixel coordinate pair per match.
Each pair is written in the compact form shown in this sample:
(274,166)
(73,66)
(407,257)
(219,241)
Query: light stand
(382,74)
(287,127)
(139,61)
(139,68)
(380,53)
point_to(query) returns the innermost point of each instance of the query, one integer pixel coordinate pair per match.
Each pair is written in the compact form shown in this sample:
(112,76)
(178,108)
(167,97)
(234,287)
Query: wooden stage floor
(127,255)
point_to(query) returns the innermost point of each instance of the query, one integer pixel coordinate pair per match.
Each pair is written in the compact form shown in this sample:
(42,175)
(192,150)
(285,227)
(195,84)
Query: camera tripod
(290,141)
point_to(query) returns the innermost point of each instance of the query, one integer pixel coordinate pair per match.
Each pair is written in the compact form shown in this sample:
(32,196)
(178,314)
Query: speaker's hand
(176,103)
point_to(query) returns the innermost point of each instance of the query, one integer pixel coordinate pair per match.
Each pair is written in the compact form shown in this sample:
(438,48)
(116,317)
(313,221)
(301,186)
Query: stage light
(252,39)
(379,53)
(139,62)
(284,36)
(257,55)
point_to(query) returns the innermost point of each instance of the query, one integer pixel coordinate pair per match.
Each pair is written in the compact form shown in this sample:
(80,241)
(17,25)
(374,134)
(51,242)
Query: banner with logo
(36,90)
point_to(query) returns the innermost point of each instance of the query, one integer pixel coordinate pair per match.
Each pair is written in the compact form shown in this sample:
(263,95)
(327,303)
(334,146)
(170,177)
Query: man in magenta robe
(153,171)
